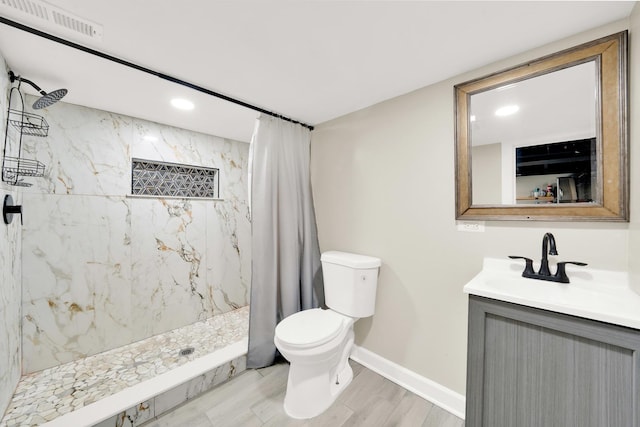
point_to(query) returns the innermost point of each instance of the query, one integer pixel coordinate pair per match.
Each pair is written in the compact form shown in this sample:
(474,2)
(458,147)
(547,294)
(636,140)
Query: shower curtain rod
(146,70)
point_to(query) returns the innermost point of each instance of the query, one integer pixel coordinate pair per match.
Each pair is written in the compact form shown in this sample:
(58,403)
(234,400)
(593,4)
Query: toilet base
(317,375)
(313,385)
(312,396)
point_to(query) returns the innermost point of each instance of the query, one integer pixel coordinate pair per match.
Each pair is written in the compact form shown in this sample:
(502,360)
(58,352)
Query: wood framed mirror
(548,139)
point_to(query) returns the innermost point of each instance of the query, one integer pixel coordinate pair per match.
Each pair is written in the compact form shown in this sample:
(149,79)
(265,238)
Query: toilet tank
(350,282)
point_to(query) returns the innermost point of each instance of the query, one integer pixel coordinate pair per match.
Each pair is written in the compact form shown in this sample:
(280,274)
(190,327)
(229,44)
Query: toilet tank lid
(350,260)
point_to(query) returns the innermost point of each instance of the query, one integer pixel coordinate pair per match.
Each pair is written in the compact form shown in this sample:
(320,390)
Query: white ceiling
(309,60)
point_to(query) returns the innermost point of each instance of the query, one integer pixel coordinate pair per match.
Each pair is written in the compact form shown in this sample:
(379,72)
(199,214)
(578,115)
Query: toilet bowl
(318,342)
(319,359)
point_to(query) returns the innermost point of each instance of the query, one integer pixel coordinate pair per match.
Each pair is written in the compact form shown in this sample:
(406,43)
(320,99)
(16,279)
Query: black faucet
(548,248)
(544,264)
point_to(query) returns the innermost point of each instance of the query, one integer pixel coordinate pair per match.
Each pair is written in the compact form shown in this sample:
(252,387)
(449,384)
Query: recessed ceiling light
(507,110)
(472,118)
(182,104)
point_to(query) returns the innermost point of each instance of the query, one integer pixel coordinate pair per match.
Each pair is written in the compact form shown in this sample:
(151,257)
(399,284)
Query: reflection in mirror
(547,139)
(527,135)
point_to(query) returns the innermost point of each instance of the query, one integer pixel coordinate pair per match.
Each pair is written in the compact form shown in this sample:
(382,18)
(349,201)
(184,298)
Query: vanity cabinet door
(534,368)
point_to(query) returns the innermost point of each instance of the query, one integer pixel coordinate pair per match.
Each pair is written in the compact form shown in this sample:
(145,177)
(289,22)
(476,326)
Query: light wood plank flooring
(254,398)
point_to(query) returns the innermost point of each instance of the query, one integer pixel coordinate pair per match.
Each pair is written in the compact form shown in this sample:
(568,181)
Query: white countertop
(593,294)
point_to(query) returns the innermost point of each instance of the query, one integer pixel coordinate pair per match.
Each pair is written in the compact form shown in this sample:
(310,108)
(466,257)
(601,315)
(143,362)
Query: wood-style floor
(254,398)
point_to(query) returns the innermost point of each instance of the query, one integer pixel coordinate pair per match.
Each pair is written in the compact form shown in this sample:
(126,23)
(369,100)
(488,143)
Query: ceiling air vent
(27,10)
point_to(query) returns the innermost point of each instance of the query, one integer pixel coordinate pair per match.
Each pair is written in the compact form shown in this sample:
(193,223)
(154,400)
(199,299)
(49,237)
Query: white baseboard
(435,393)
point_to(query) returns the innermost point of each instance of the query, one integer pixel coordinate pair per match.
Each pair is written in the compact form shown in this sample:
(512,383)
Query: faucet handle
(528,268)
(9,209)
(561,273)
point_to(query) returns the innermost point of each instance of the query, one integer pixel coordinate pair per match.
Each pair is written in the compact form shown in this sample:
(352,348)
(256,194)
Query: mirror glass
(525,136)
(546,139)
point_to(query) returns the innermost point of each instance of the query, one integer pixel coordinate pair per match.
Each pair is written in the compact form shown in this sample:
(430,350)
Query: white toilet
(318,342)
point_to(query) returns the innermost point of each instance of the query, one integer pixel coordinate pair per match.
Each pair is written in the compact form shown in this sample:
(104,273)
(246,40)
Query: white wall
(383,181)
(487,184)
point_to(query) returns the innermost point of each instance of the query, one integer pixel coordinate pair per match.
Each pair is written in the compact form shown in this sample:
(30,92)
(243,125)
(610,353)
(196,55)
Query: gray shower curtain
(285,268)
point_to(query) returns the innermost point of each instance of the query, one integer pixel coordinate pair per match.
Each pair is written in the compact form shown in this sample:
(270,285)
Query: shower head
(46,99)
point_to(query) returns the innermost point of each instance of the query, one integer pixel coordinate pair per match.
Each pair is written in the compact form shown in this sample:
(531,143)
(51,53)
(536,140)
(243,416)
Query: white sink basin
(593,294)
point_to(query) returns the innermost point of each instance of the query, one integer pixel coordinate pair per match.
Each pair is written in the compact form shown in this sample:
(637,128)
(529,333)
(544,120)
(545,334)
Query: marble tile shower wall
(101,269)
(10,294)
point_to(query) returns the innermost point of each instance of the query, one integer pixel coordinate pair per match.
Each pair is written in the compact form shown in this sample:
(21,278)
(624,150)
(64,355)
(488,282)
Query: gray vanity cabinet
(528,367)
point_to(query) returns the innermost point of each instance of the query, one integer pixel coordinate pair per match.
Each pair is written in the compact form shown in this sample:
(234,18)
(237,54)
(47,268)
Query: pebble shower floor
(45,395)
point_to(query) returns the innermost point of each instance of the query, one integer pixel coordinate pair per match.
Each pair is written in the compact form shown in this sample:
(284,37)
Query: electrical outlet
(471,226)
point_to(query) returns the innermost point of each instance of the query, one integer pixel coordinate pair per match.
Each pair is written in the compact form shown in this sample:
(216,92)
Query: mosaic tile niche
(102,268)
(169,179)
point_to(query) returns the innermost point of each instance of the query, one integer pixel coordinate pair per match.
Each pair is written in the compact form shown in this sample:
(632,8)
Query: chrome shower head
(46,99)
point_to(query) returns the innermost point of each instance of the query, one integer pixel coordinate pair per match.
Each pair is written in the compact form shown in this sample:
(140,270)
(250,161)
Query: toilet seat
(309,328)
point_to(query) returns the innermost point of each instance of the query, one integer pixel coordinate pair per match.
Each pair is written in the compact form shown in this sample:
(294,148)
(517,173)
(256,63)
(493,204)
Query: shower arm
(13,78)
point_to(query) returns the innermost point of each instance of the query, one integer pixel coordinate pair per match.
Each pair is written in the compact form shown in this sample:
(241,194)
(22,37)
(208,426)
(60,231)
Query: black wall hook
(9,210)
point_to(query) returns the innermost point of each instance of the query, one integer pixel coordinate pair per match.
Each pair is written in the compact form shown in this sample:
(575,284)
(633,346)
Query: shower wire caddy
(26,124)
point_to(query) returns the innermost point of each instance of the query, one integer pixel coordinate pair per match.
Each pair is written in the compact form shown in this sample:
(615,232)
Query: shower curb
(149,399)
